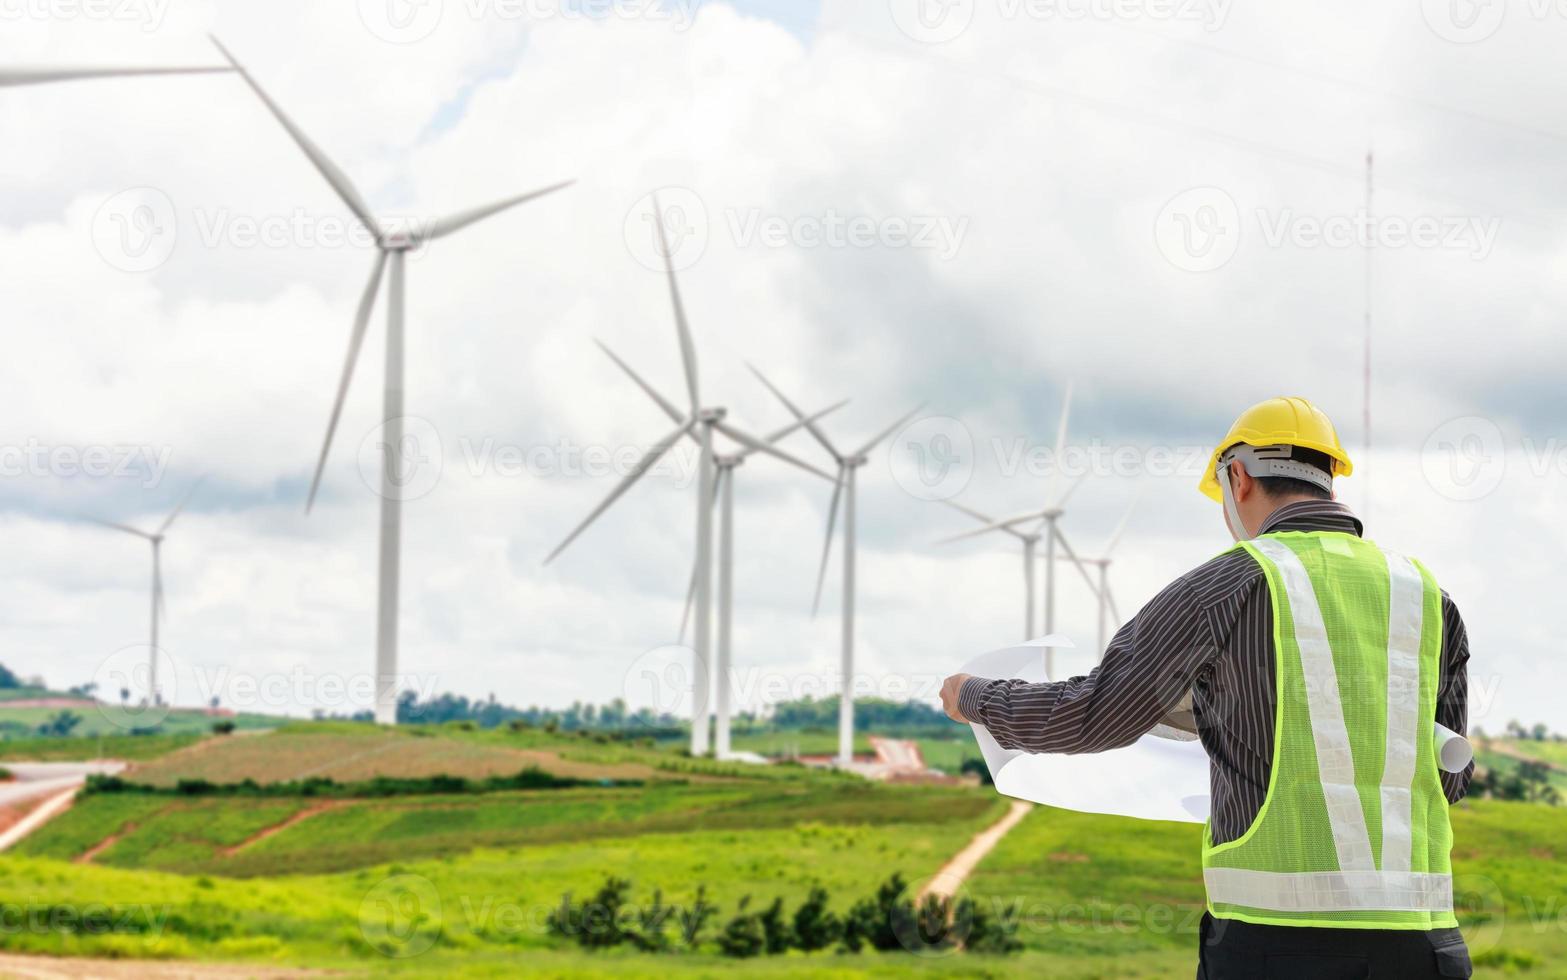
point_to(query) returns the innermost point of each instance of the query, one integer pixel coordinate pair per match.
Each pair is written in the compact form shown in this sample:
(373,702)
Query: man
(1316,664)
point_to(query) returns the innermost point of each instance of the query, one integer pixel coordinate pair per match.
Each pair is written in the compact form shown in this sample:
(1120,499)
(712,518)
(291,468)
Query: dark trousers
(1233,950)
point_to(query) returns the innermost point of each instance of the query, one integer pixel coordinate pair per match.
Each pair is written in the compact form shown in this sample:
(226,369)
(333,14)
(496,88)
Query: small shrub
(742,937)
(814,926)
(224,727)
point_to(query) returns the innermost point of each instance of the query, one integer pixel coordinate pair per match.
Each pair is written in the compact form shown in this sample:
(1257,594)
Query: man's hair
(1284,486)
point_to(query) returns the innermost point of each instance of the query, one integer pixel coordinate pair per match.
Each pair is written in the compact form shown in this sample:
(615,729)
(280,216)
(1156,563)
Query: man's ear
(1241,483)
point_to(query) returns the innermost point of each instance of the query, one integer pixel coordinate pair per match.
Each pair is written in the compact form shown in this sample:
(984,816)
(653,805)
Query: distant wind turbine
(392,246)
(844,491)
(701,423)
(724,485)
(1048,519)
(1107,608)
(155,538)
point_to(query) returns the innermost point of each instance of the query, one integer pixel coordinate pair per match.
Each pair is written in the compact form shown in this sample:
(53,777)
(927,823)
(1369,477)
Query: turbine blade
(889,430)
(355,341)
(334,176)
(756,445)
(687,345)
(169,521)
(38,76)
(832,522)
(1082,569)
(990,522)
(119,527)
(638,471)
(1115,536)
(1066,410)
(462,219)
(1071,488)
(675,415)
(794,410)
(801,423)
(1005,524)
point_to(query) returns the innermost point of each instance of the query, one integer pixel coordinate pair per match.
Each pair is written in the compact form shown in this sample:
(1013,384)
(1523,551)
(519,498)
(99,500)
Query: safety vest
(1354,831)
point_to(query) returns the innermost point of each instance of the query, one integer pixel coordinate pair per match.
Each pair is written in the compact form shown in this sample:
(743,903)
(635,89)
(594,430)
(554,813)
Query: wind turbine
(844,490)
(700,423)
(40,75)
(724,483)
(156,540)
(392,245)
(1048,518)
(1030,541)
(1102,589)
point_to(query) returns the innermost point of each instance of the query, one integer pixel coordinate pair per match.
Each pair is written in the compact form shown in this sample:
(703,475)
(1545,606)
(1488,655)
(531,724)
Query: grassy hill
(308,881)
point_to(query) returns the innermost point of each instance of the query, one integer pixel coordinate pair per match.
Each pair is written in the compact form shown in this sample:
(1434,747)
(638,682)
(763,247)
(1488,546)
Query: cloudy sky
(967,206)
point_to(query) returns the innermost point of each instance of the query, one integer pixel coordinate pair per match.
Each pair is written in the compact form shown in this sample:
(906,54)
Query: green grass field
(468,880)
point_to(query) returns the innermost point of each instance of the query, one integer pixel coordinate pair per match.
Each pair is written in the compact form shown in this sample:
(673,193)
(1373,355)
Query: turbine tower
(724,484)
(701,423)
(391,246)
(844,490)
(154,538)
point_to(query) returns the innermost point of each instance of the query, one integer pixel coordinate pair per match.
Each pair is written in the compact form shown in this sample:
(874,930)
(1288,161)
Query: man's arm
(1452,698)
(1146,672)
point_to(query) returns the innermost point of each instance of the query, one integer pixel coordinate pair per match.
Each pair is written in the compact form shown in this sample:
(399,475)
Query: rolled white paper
(1154,778)
(1453,751)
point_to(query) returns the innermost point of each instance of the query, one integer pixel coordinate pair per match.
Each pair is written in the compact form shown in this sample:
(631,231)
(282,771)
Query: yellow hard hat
(1280,422)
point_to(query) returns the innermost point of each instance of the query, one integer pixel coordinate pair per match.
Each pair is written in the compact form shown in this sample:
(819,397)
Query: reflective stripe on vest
(1334,759)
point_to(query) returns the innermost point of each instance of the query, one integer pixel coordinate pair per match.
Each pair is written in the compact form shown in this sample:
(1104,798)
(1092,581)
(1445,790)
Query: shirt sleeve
(1452,700)
(1147,670)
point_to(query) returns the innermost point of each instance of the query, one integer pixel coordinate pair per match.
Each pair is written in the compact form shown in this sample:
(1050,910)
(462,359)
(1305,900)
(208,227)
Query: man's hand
(949,696)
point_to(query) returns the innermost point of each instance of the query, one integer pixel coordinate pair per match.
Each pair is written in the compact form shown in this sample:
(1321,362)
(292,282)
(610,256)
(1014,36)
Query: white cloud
(1054,145)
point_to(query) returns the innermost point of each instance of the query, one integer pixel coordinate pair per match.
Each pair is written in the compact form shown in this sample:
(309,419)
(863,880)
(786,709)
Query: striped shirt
(1209,634)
